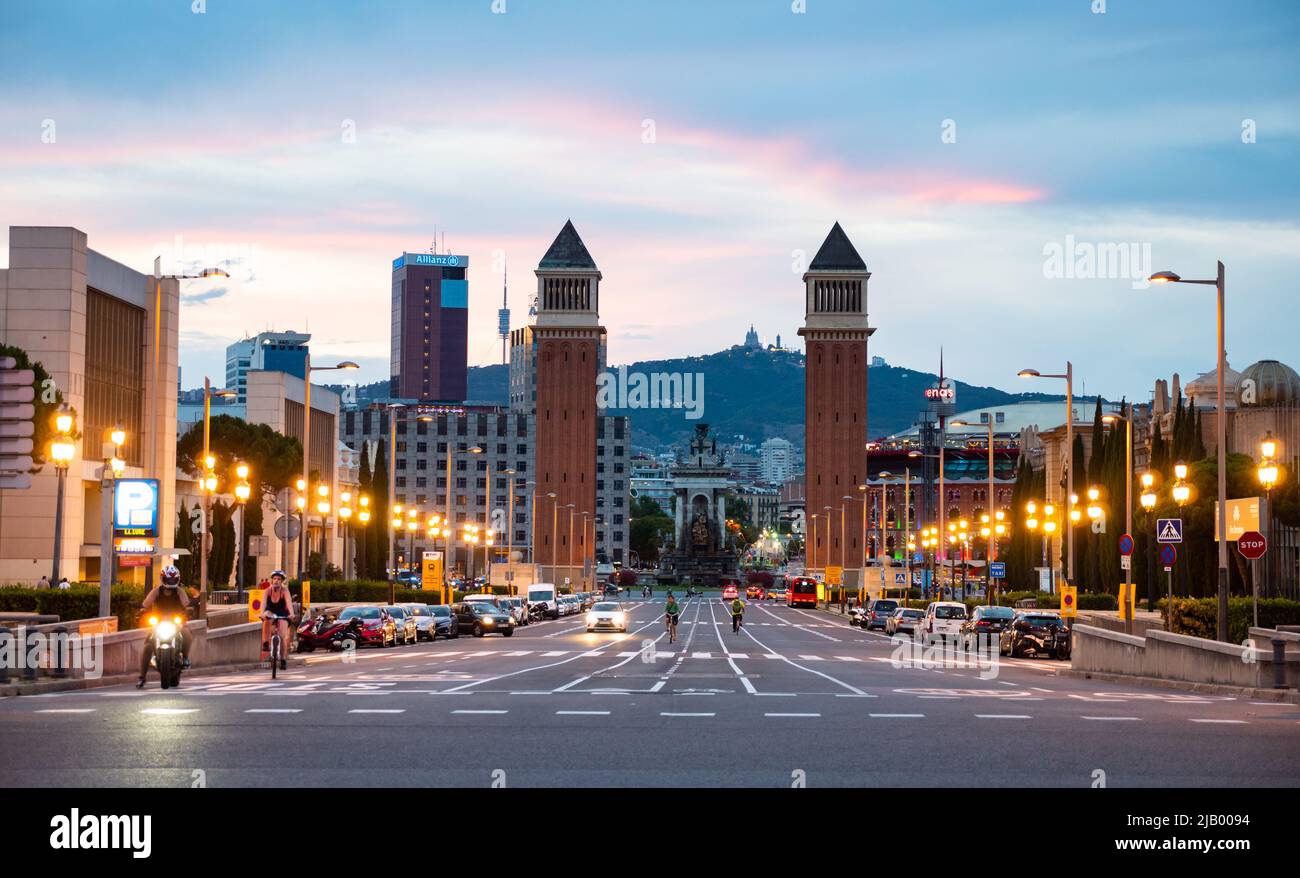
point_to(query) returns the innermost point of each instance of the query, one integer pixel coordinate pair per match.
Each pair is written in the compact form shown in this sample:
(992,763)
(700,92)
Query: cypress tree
(361,553)
(377,552)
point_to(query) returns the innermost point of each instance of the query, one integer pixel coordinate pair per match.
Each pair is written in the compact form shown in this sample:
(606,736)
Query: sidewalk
(1277,695)
(47,685)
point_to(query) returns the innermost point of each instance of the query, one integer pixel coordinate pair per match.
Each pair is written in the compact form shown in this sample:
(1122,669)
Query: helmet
(279,573)
(171,577)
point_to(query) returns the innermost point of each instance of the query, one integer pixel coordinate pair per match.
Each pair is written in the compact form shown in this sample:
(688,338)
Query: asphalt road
(797,697)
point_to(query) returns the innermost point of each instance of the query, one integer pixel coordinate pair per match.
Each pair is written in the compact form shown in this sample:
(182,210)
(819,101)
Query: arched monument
(700,483)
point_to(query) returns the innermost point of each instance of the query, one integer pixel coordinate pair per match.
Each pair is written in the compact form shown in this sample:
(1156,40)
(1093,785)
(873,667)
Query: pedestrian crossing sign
(1169,530)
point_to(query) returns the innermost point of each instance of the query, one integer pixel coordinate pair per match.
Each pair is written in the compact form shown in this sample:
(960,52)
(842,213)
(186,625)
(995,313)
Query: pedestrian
(63,582)
(43,582)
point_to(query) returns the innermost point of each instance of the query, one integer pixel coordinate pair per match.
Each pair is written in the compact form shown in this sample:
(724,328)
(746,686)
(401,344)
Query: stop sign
(1252,545)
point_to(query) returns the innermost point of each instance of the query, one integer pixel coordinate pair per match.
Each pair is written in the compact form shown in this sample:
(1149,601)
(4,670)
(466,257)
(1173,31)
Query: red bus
(802,592)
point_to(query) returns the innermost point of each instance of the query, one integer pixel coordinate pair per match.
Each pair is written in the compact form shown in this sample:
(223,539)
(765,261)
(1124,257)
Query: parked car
(985,626)
(942,619)
(878,613)
(377,627)
(445,620)
(407,631)
(426,627)
(480,618)
(1035,632)
(611,590)
(606,616)
(904,619)
(588,599)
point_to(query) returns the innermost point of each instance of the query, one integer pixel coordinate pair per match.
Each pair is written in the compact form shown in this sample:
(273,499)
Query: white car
(606,616)
(942,619)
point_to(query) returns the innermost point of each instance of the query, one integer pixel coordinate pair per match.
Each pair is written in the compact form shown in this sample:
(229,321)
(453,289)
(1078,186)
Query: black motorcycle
(536,613)
(165,637)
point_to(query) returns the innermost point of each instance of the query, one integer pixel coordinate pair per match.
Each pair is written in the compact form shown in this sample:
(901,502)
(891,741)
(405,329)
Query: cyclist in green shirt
(737,610)
(671,614)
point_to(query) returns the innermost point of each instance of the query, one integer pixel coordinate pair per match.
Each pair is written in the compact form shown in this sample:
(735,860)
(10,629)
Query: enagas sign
(1252,545)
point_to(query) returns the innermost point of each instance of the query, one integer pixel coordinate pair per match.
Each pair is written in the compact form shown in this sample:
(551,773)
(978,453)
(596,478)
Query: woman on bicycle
(277,604)
(671,615)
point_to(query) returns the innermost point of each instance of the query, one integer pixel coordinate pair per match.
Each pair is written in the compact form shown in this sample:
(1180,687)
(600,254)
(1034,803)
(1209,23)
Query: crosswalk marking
(67,710)
(582,713)
(377,710)
(481,711)
(274,710)
(168,711)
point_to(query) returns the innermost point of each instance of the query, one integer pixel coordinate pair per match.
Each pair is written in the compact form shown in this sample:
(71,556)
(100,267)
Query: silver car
(518,609)
(407,632)
(426,624)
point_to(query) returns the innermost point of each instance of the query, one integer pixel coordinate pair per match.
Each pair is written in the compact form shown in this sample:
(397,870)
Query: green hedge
(1199,617)
(78,602)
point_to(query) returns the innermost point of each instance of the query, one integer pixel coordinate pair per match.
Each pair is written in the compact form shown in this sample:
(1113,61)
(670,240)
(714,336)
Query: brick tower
(568,338)
(835,333)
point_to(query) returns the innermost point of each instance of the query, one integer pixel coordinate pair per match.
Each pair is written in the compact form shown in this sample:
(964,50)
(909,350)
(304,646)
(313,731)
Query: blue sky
(222,135)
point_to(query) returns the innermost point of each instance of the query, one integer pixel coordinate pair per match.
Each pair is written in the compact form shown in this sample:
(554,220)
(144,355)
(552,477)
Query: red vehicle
(329,632)
(377,627)
(802,592)
(754,591)
(729,593)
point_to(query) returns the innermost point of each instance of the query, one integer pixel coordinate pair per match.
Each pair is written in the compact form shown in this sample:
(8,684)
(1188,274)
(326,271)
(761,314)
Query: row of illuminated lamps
(436,526)
(994,527)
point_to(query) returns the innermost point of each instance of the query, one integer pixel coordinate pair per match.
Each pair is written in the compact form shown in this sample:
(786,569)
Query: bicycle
(735,623)
(671,624)
(277,650)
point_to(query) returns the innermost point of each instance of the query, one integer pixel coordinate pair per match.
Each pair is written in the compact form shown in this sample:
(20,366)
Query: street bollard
(29,668)
(60,670)
(5,634)
(1279,663)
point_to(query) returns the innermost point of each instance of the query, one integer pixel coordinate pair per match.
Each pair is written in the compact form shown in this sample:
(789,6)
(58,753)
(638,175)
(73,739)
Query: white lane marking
(811,658)
(532,692)
(1113,718)
(554,653)
(469,685)
(896,715)
(854,689)
(571,684)
(1003,716)
(702,655)
(793,714)
(67,710)
(670,713)
(1041,689)
(377,710)
(582,713)
(274,710)
(1235,722)
(846,658)
(807,628)
(168,711)
(777,694)
(494,712)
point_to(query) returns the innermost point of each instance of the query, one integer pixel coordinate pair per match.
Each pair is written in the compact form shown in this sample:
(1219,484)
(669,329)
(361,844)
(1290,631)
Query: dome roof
(1276,384)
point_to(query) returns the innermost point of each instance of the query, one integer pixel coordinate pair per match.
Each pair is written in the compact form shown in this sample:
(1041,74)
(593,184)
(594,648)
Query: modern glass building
(430,327)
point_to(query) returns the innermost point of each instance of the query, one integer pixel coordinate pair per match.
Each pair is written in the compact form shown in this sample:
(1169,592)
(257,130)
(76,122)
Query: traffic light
(17,424)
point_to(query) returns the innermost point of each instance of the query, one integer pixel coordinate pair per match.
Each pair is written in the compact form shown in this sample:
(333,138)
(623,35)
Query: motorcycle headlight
(166,630)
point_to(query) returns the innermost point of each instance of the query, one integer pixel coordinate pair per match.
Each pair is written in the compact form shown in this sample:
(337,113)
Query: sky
(979,155)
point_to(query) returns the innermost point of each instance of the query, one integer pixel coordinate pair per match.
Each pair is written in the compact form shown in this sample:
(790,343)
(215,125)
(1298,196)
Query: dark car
(1035,633)
(878,613)
(445,621)
(984,626)
(481,617)
(611,590)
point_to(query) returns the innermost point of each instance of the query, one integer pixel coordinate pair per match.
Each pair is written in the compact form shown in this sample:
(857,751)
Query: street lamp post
(1268,474)
(242,492)
(1222,430)
(570,507)
(1128,508)
(555,555)
(1068,377)
(308,368)
(62,451)
(112,470)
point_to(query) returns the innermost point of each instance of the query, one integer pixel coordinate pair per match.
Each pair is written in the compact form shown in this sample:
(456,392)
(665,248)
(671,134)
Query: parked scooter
(327,632)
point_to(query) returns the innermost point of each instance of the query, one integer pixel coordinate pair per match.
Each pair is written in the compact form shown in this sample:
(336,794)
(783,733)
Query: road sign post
(1253,545)
(1168,557)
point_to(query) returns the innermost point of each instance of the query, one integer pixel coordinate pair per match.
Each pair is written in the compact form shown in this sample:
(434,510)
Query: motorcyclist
(277,604)
(737,611)
(167,599)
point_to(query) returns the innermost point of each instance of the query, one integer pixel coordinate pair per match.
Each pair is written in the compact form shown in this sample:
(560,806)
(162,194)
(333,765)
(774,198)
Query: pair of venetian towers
(567,336)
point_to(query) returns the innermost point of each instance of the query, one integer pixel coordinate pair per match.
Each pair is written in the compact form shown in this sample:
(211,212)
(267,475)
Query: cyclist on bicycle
(737,610)
(277,604)
(168,599)
(671,613)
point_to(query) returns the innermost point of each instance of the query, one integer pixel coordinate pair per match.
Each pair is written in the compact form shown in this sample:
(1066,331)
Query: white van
(545,595)
(942,619)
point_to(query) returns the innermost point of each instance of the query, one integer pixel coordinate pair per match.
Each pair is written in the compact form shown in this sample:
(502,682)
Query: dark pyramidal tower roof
(567,251)
(837,254)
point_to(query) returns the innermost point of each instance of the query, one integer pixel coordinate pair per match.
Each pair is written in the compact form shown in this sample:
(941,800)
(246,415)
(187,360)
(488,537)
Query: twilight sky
(702,149)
